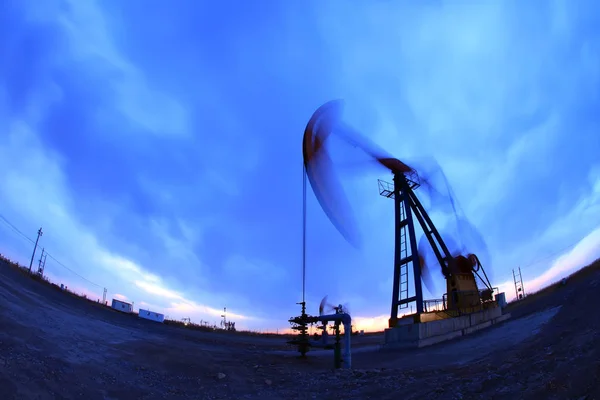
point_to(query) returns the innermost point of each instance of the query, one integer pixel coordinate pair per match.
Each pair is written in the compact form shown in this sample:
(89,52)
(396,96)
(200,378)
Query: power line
(551,255)
(72,271)
(559,252)
(14,228)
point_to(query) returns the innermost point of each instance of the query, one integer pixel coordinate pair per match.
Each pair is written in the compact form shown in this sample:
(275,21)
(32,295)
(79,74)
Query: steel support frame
(405,196)
(402,198)
(442,254)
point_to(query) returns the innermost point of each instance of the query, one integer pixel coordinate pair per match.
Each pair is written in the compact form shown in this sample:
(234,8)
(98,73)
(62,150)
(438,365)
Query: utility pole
(519,288)
(40,233)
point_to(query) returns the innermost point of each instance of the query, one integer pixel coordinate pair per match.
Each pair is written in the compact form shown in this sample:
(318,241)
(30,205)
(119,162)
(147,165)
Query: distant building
(122,306)
(152,316)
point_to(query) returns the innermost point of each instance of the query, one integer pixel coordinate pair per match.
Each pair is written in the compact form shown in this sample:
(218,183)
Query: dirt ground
(54,346)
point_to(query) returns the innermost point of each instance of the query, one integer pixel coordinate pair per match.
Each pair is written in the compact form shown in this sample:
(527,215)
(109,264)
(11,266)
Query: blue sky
(159,145)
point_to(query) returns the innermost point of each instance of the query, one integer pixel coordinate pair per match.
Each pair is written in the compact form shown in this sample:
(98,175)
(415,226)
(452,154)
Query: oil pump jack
(459,269)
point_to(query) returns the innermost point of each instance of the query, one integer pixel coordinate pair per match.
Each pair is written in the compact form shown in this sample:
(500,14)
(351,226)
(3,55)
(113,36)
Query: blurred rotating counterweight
(461,269)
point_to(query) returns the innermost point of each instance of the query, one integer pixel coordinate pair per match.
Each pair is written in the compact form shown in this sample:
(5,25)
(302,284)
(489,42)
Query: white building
(151,315)
(122,306)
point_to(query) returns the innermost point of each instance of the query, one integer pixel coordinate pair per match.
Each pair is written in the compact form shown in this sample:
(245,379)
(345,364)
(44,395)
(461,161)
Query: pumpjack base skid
(421,330)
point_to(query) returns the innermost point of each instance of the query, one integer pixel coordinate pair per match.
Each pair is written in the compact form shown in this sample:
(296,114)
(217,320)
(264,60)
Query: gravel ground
(54,346)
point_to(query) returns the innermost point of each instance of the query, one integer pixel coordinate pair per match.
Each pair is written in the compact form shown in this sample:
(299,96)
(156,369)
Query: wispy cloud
(162,157)
(119,296)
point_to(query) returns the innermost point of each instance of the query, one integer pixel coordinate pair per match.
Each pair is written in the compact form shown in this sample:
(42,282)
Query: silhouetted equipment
(300,324)
(230,326)
(460,271)
(459,268)
(519,288)
(339,317)
(42,263)
(224,316)
(227,325)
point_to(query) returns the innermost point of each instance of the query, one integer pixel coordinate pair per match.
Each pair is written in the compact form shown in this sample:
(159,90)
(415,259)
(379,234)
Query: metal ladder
(403,256)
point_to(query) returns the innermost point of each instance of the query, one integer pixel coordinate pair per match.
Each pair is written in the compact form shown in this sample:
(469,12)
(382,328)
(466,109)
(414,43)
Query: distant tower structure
(224,316)
(519,288)
(42,263)
(104,296)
